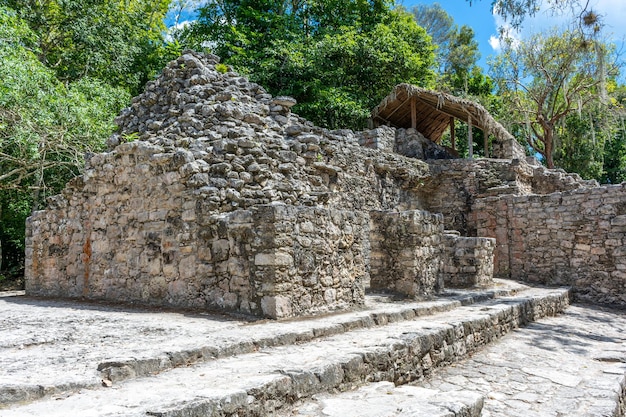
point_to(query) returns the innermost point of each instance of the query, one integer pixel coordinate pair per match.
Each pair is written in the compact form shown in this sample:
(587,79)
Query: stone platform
(570,365)
(62,358)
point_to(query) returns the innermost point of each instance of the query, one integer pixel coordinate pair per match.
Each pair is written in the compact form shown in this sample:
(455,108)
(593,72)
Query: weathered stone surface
(468,261)
(411,143)
(252,369)
(384,399)
(575,238)
(178,217)
(190,214)
(454,185)
(406,252)
(570,365)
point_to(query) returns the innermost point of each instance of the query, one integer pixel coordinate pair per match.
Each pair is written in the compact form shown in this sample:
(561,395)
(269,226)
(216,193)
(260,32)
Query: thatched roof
(433,112)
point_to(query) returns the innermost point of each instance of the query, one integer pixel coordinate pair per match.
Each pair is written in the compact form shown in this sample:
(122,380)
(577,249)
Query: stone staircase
(568,365)
(67,359)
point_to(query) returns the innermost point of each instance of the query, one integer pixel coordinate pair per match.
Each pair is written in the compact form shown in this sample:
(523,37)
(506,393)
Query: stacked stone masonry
(575,238)
(215,195)
(468,261)
(406,252)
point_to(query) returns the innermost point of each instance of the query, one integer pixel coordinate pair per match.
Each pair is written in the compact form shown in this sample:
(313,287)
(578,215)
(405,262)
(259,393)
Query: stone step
(384,399)
(570,365)
(573,364)
(268,379)
(103,342)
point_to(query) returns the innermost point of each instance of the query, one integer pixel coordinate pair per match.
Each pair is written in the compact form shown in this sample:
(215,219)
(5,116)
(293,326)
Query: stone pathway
(242,368)
(570,365)
(50,346)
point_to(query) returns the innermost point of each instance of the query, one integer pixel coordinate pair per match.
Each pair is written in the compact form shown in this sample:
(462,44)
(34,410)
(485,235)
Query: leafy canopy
(119,42)
(46,127)
(337,58)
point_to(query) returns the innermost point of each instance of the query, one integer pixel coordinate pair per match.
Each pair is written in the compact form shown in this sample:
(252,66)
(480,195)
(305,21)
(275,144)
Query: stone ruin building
(214,195)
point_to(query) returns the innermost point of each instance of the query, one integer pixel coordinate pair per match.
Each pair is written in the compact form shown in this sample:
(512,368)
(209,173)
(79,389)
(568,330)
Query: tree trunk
(548,143)
(604,98)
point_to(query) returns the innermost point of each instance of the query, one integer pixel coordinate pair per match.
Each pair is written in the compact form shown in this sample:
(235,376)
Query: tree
(46,127)
(337,58)
(543,80)
(457,52)
(614,169)
(581,140)
(439,25)
(515,11)
(120,42)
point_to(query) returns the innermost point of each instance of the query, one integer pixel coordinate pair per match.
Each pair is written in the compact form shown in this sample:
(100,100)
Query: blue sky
(480,18)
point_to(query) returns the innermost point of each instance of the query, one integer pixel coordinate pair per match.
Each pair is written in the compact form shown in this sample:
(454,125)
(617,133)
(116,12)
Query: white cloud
(171,30)
(495,43)
(507,34)
(612,16)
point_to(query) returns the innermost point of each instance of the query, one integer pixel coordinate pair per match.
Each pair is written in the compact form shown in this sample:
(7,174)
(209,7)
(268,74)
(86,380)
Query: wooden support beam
(413,113)
(470,139)
(452,133)
(486,145)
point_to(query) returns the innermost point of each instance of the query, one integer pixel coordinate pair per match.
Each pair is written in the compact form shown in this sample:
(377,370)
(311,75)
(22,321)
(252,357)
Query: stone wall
(507,148)
(215,195)
(162,220)
(306,260)
(272,260)
(575,238)
(468,261)
(406,252)
(382,138)
(452,186)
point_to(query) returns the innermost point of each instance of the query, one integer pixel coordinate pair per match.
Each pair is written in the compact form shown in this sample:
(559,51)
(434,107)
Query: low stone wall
(272,260)
(406,252)
(306,260)
(468,261)
(575,238)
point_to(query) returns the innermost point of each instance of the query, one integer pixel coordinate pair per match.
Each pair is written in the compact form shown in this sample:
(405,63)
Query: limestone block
(406,252)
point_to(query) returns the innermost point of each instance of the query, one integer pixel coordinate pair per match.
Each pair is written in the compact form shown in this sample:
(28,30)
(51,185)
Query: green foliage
(614,169)
(337,58)
(46,127)
(581,141)
(221,68)
(119,42)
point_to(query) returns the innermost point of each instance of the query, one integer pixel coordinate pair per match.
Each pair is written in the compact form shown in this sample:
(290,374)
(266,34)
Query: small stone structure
(576,238)
(228,200)
(468,261)
(407,252)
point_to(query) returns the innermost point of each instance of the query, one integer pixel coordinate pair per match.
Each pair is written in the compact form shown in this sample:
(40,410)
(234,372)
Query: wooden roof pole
(452,138)
(486,145)
(413,113)
(470,140)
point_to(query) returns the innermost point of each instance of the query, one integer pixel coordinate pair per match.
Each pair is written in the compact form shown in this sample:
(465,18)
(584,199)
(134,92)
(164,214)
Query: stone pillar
(306,260)
(406,252)
(468,261)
